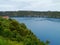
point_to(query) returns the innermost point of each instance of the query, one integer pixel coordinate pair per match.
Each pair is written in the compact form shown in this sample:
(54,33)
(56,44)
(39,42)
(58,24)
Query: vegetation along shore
(15,33)
(47,14)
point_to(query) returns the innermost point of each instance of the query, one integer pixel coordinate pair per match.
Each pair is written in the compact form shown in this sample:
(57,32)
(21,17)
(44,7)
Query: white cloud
(6,7)
(38,5)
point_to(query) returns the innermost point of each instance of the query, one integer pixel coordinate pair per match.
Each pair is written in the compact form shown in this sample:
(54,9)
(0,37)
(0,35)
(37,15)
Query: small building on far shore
(6,17)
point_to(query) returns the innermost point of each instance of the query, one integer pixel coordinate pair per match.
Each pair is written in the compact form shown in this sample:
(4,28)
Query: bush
(14,31)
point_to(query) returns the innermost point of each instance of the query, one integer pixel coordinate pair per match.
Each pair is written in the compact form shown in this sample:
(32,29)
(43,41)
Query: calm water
(44,28)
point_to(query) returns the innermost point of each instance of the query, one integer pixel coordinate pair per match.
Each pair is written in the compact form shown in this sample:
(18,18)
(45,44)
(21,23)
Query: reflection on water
(37,19)
(44,28)
(53,19)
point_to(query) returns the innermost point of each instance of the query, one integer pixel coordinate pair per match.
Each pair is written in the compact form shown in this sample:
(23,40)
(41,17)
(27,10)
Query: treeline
(52,14)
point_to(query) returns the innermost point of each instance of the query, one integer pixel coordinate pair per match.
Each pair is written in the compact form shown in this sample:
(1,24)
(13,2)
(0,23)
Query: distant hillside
(15,33)
(52,14)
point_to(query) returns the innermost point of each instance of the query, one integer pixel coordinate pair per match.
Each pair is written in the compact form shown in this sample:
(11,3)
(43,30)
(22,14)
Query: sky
(31,5)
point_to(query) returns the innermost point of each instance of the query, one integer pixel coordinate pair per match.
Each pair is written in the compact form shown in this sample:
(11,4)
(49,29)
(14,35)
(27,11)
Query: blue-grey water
(44,28)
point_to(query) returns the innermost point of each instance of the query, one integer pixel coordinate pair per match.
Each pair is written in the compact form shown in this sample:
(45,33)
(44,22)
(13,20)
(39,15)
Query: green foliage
(14,31)
(23,25)
(47,42)
(4,41)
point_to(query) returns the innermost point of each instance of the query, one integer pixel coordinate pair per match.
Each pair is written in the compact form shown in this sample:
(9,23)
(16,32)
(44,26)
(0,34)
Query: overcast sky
(34,5)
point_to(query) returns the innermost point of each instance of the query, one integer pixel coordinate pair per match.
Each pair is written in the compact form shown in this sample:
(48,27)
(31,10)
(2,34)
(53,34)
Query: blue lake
(43,28)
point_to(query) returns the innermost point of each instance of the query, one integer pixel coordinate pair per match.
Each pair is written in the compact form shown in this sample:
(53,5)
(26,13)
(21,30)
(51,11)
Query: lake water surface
(44,28)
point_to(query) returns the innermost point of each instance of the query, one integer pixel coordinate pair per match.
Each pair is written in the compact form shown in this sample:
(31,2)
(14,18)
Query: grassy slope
(14,33)
(4,41)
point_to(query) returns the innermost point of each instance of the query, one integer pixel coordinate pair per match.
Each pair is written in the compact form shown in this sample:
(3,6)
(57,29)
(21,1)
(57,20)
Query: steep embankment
(14,33)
